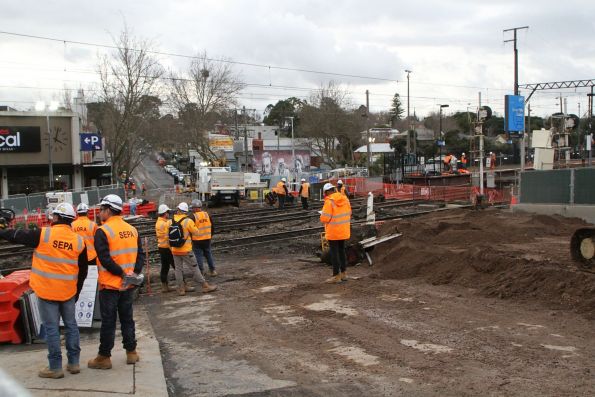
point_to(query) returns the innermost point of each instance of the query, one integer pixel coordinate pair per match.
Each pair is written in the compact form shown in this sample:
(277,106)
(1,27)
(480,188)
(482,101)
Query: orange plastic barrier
(11,289)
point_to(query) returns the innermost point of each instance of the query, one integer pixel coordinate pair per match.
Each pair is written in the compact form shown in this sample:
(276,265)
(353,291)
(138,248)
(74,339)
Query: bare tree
(128,76)
(332,124)
(201,96)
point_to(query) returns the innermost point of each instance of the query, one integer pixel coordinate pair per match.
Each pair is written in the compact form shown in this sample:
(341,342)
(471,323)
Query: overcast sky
(454,48)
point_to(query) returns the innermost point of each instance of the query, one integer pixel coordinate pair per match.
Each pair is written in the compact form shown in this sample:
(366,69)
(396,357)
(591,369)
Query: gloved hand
(3,223)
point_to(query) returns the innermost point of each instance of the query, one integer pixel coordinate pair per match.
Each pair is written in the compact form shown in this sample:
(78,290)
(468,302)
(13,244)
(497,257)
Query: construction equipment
(582,248)
(6,217)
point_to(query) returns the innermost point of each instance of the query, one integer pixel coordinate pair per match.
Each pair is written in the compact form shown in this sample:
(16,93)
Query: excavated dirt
(497,253)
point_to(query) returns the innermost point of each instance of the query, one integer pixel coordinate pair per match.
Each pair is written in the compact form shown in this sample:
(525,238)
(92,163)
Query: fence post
(571,186)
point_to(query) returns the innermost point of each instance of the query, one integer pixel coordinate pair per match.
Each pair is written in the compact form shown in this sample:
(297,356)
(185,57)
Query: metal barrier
(35,202)
(564,186)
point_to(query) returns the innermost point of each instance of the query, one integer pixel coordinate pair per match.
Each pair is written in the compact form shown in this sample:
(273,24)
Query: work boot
(132,357)
(165,288)
(182,290)
(206,288)
(188,287)
(51,373)
(343,276)
(213,273)
(100,362)
(336,279)
(73,368)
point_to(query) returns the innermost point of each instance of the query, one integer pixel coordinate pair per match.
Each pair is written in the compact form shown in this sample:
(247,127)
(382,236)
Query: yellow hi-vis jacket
(162,232)
(189,230)
(86,228)
(305,189)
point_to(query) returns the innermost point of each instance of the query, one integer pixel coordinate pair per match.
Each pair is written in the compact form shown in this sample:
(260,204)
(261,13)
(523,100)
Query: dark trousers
(167,260)
(115,304)
(338,257)
(281,198)
(305,203)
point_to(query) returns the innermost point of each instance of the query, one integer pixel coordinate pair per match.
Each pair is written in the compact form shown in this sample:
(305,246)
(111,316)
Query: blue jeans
(112,304)
(200,248)
(50,312)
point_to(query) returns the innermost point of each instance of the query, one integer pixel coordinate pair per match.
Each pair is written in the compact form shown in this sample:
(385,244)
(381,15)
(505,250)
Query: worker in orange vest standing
(86,228)
(201,242)
(162,231)
(341,188)
(304,193)
(182,250)
(282,192)
(58,271)
(336,217)
(120,254)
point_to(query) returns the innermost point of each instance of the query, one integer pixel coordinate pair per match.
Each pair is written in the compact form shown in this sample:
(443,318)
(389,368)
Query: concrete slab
(146,378)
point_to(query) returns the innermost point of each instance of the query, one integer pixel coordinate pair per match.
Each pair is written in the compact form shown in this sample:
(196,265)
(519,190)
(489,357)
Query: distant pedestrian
(143,187)
(304,193)
(132,204)
(336,217)
(201,242)
(463,161)
(342,188)
(133,188)
(492,160)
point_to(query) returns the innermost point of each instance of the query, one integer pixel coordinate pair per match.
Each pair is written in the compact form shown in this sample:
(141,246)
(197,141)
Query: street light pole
(368,127)
(408,116)
(440,136)
(41,106)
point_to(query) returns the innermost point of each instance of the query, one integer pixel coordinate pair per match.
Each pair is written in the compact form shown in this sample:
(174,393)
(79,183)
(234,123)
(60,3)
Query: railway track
(244,241)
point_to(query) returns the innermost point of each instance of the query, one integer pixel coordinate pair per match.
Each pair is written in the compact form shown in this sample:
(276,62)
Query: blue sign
(514,117)
(90,142)
(440,143)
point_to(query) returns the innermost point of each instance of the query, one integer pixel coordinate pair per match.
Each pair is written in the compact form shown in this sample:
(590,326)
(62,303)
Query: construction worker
(201,242)
(341,188)
(446,163)
(120,254)
(282,192)
(183,256)
(58,271)
(304,193)
(162,232)
(86,228)
(336,217)
(143,188)
(463,161)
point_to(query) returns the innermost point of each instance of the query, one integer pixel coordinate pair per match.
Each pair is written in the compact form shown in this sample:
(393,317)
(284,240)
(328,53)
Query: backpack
(176,233)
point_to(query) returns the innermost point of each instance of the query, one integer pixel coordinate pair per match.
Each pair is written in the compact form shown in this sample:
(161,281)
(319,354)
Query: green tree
(290,107)
(396,110)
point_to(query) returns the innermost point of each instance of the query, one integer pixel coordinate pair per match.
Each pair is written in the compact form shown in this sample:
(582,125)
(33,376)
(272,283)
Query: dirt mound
(497,253)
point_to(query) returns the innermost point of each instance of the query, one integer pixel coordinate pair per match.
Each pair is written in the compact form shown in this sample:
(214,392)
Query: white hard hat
(303,180)
(183,206)
(463,154)
(163,208)
(339,182)
(327,186)
(82,208)
(196,203)
(64,210)
(283,180)
(113,201)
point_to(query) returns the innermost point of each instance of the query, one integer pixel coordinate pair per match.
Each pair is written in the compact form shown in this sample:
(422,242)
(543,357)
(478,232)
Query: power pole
(590,137)
(516,56)
(408,116)
(245,140)
(368,127)
(480,148)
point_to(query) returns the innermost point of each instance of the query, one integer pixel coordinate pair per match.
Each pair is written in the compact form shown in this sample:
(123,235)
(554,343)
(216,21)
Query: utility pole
(245,140)
(480,124)
(590,137)
(524,140)
(368,127)
(516,56)
(408,116)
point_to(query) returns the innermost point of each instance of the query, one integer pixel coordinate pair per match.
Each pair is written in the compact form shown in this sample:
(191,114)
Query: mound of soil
(497,253)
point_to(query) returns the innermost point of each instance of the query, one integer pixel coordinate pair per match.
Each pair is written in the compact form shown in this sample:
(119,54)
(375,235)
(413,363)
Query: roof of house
(375,148)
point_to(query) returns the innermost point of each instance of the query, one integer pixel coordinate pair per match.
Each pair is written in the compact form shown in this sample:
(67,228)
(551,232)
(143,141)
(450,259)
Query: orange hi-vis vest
(122,241)
(54,270)
(189,230)
(86,228)
(280,189)
(336,216)
(305,189)
(162,232)
(203,224)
